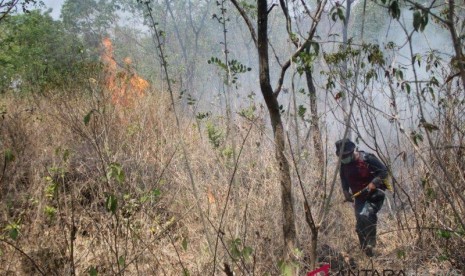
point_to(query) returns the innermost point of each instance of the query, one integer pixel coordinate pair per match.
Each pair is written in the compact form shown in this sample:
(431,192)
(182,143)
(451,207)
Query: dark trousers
(366,211)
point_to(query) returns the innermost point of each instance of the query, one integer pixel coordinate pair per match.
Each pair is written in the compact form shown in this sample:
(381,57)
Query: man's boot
(371,241)
(362,240)
(369,251)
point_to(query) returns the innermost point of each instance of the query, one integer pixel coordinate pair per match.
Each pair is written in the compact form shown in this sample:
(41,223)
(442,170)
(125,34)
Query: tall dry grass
(57,193)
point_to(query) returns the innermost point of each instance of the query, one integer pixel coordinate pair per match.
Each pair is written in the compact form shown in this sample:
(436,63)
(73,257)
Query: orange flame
(125,86)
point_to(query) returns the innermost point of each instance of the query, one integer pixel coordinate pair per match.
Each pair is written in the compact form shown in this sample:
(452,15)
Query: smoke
(206,85)
(55,5)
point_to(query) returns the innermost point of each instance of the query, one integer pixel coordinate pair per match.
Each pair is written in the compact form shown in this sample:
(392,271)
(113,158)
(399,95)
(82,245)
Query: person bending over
(363,180)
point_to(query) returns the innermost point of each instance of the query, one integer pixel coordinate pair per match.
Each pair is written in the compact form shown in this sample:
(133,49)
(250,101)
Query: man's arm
(378,169)
(345,187)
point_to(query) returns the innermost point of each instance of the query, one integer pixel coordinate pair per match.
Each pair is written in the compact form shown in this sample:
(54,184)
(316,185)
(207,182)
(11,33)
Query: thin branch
(9,6)
(428,10)
(325,208)
(428,136)
(308,211)
(288,19)
(307,10)
(236,165)
(164,64)
(248,22)
(24,254)
(271,8)
(302,47)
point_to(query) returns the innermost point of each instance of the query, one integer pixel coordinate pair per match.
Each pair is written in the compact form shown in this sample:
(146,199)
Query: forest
(197,137)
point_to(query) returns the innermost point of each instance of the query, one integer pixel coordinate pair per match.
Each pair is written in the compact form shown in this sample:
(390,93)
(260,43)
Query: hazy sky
(55,5)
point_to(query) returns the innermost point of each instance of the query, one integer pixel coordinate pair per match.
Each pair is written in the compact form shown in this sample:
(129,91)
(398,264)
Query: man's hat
(345,145)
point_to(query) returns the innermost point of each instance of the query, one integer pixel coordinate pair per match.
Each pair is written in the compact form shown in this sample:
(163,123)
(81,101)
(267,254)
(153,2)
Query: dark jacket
(360,172)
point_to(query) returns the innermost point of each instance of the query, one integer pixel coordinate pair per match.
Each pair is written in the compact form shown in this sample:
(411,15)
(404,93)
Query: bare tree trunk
(314,123)
(345,99)
(318,148)
(278,129)
(456,41)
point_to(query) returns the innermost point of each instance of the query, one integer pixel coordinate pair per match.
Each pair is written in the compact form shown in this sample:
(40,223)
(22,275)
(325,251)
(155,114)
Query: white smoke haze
(208,88)
(55,5)
(389,116)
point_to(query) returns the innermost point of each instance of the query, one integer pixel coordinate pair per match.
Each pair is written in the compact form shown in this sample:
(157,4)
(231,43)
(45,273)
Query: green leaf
(424,21)
(93,271)
(234,248)
(121,261)
(333,17)
(191,100)
(443,258)
(184,244)
(394,10)
(13,233)
(203,115)
(9,156)
(13,230)
(247,252)
(430,194)
(50,211)
(66,154)
(399,74)
(156,192)
(111,204)
(428,126)
(417,20)
(215,135)
(302,111)
(316,47)
(88,117)
(416,137)
(444,234)
(417,58)
(185,272)
(401,254)
(287,268)
(340,13)
(116,172)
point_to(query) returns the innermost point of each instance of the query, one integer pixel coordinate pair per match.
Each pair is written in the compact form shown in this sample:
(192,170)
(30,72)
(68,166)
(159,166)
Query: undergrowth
(89,188)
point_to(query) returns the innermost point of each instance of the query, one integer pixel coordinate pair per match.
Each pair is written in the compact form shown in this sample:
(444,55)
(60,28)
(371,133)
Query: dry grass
(57,187)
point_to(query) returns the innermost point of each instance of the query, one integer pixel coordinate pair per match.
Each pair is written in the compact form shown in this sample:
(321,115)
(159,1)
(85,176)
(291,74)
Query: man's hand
(371,187)
(348,196)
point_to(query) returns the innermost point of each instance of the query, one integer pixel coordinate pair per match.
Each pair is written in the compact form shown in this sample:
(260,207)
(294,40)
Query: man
(365,175)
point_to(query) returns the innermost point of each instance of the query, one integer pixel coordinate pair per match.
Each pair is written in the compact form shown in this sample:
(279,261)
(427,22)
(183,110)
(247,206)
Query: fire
(124,85)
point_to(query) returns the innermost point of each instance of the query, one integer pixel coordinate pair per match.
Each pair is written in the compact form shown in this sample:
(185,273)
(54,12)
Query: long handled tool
(364,190)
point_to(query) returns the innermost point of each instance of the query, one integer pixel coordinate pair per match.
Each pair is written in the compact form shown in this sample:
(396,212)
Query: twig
(164,64)
(24,254)
(227,196)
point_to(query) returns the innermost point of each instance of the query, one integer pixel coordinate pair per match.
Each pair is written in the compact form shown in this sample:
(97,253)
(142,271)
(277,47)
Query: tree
(35,52)
(261,40)
(425,93)
(10,6)
(188,32)
(90,20)
(189,40)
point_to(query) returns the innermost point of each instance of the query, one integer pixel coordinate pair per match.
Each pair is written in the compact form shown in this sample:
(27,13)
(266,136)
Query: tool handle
(360,192)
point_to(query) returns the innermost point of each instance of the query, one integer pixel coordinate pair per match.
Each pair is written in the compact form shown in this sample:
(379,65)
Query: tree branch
(302,47)
(247,20)
(428,10)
